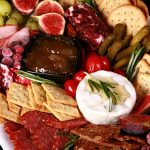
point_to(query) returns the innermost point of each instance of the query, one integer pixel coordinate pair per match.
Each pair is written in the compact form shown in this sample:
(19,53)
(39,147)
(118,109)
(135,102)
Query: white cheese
(95,109)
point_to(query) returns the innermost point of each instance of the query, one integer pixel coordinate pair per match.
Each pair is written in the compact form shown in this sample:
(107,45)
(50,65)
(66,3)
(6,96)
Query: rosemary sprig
(108,88)
(134,59)
(35,78)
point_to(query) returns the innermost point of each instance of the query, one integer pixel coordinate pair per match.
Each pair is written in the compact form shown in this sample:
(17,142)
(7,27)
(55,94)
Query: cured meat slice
(10,127)
(89,27)
(33,120)
(43,137)
(69,124)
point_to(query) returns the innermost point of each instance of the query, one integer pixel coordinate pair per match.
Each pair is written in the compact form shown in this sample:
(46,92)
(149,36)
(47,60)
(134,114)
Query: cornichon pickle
(105,44)
(126,41)
(120,31)
(126,52)
(147,46)
(146,39)
(140,35)
(121,63)
(113,50)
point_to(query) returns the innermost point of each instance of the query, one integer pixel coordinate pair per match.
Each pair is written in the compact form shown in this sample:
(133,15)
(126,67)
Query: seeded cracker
(126,14)
(39,93)
(34,105)
(5,112)
(18,94)
(58,95)
(62,108)
(15,108)
(60,116)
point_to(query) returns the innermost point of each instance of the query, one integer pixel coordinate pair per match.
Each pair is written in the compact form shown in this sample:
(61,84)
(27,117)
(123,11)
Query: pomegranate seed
(7,61)
(13,44)
(7,52)
(17,65)
(19,49)
(1,70)
(17,57)
(1,77)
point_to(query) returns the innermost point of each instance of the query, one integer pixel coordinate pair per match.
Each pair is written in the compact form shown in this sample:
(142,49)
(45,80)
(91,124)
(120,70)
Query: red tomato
(71,87)
(119,71)
(143,105)
(79,76)
(106,63)
(93,63)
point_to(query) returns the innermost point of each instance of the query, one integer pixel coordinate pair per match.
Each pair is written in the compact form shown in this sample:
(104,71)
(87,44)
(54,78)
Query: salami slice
(10,127)
(70,124)
(33,120)
(43,137)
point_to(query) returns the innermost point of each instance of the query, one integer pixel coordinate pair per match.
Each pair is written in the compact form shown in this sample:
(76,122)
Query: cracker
(59,95)
(18,94)
(34,105)
(39,93)
(66,109)
(142,85)
(126,14)
(143,66)
(5,112)
(147,58)
(107,6)
(24,110)
(58,115)
(2,120)
(15,108)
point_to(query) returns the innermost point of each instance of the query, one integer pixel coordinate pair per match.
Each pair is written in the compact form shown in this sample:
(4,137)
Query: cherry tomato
(143,105)
(93,63)
(119,71)
(79,76)
(70,87)
(106,63)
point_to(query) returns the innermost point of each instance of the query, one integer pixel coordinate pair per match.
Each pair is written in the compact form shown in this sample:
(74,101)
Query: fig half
(135,123)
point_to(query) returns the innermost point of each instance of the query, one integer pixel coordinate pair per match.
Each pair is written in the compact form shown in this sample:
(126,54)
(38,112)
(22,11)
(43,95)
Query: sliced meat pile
(35,132)
(93,137)
(89,27)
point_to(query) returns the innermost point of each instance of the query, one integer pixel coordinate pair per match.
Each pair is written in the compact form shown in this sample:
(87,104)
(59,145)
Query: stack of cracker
(142,79)
(133,13)
(41,97)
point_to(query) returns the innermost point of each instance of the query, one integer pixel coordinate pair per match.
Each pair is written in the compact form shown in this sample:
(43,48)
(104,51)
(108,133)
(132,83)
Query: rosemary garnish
(134,59)
(108,88)
(35,78)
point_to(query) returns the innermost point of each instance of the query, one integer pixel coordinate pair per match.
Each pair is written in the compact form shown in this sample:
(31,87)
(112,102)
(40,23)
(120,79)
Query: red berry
(106,63)
(7,61)
(119,71)
(17,65)
(79,76)
(7,52)
(71,87)
(19,49)
(17,57)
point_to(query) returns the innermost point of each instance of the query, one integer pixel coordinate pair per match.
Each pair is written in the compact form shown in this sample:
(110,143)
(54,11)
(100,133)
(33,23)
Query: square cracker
(18,94)
(61,108)
(15,108)
(146,57)
(58,115)
(2,120)
(5,112)
(24,110)
(39,93)
(33,103)
(58,95)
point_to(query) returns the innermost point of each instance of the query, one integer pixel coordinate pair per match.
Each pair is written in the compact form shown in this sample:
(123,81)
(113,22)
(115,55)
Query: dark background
(147,2)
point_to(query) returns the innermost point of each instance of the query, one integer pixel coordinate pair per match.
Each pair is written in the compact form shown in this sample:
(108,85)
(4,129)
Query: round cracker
(106,7)
(132,16)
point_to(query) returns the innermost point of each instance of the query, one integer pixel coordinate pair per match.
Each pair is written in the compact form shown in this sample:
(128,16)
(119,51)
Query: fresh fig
(48,6)
(51,23)
(135,123)
(25,6)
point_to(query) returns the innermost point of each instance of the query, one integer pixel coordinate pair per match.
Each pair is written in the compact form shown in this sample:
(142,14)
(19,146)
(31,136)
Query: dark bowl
(55,76)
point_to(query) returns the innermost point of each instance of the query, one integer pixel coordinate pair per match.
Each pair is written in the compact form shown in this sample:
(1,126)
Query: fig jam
(52,55)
